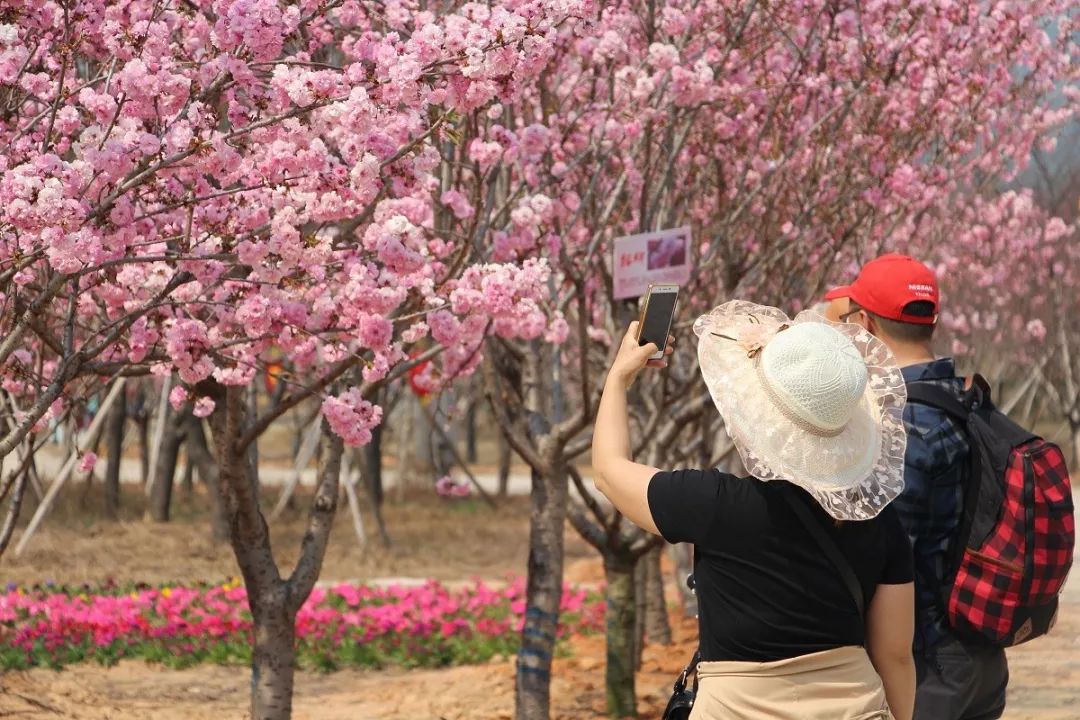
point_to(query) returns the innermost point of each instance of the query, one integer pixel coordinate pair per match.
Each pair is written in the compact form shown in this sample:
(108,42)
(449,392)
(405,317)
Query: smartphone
(656,316)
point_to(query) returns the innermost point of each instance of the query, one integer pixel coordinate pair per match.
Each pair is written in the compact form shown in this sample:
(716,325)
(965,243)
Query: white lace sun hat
(817,403)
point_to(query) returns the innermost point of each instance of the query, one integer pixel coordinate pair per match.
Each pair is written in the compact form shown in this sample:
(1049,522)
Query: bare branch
(586,496)
(320,521)
(588,530)
(513,429)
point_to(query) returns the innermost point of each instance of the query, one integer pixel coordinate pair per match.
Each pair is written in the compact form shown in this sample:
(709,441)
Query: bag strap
(691,668)
(680,682)
(832,551)
(938,397)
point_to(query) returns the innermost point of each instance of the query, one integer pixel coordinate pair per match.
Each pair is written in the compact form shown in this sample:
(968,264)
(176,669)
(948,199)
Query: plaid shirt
(932,501)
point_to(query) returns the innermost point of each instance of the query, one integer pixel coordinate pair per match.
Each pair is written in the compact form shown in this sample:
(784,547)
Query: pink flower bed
(342,625)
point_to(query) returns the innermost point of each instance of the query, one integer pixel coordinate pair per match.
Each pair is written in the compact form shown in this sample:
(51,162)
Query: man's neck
(908,355)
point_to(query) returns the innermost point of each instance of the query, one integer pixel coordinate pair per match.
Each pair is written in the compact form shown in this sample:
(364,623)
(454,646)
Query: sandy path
(1045,686)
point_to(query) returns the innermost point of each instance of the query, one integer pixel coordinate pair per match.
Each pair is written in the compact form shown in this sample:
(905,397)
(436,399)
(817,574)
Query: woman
(814,408)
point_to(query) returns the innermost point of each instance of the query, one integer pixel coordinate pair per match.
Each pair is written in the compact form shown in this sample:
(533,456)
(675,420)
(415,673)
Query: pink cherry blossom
(204,406)
(351,417)
(87,462)
(178,397)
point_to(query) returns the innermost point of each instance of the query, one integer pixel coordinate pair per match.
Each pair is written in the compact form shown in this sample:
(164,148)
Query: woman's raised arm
(624,482)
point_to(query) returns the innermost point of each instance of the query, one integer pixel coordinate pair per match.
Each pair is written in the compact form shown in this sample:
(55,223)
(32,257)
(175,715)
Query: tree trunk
(504,465)
(199,456)
(442,455)
(165,471)
(417,470)
(373,465)
(253,449)
(273,601)
(620,627)
(187,484)
(143,420)
(273,652)
(273,659)
(374,478)
(470,432)
(549,497)
(114,448)
(638,645)
(657,627)
(1074,426)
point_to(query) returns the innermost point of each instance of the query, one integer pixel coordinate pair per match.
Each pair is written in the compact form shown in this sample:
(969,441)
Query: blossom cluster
(1010,274)
(446,487)
(339,625)
(224,185)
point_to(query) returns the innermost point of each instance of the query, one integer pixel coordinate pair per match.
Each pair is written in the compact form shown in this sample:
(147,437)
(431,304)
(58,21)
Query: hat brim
(838,292)
(853,474)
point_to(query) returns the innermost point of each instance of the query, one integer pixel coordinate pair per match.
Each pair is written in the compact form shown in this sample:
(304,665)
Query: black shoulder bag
(682,697)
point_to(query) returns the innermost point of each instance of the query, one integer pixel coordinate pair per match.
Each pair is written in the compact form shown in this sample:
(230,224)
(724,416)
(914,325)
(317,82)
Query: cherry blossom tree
(206,187)
(795,138)
(348,188)
(1010,308)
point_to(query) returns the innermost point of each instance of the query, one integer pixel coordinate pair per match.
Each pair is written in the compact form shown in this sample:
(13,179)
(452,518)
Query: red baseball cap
(888,284)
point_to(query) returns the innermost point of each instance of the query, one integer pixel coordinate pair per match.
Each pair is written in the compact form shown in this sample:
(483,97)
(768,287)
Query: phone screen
(657,322)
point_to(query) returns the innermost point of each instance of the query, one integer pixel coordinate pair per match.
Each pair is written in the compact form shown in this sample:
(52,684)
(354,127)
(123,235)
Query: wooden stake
(159,434)
(350,477)
(307,450)
(66,471)
(20,451)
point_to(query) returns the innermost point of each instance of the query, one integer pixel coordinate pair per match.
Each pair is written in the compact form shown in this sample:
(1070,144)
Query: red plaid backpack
(1015,545)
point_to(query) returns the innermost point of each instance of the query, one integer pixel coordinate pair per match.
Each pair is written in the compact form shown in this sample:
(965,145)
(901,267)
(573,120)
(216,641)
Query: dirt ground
(432,538)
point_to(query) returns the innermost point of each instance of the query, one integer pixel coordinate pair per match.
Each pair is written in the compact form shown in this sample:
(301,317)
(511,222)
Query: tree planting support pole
(69,466)
(460,461)
(307,450)
(159,434)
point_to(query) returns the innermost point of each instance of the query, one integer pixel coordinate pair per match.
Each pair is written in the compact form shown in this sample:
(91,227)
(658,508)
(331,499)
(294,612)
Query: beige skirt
(838,684)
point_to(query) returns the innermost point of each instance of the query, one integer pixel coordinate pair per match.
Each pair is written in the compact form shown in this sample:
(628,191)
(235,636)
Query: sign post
(657,257)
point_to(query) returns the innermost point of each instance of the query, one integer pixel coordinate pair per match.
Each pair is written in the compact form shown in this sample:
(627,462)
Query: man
(836,304)
(896,298)
(832,306)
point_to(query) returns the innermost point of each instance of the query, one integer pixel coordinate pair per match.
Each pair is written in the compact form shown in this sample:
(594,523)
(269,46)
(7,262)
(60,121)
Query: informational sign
(657,257)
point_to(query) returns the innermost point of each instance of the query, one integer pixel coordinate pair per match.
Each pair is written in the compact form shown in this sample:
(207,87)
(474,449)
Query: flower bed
(345,625)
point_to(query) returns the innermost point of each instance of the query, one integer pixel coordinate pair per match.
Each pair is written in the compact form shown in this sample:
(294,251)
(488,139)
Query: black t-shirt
(766,591)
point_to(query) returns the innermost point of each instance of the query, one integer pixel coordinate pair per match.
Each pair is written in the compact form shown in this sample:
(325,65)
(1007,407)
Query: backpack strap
(831,550)
(935,396)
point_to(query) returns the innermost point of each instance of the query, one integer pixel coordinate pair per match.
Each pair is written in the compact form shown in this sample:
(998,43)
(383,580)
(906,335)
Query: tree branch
(513,429)
(588,530)
(259,426)
(320,521)
(586,496)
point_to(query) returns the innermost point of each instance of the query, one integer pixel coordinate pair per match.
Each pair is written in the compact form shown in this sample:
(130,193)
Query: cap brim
(838,292)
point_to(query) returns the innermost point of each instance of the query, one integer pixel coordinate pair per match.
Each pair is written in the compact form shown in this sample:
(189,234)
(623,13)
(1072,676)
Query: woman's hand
(633,358)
